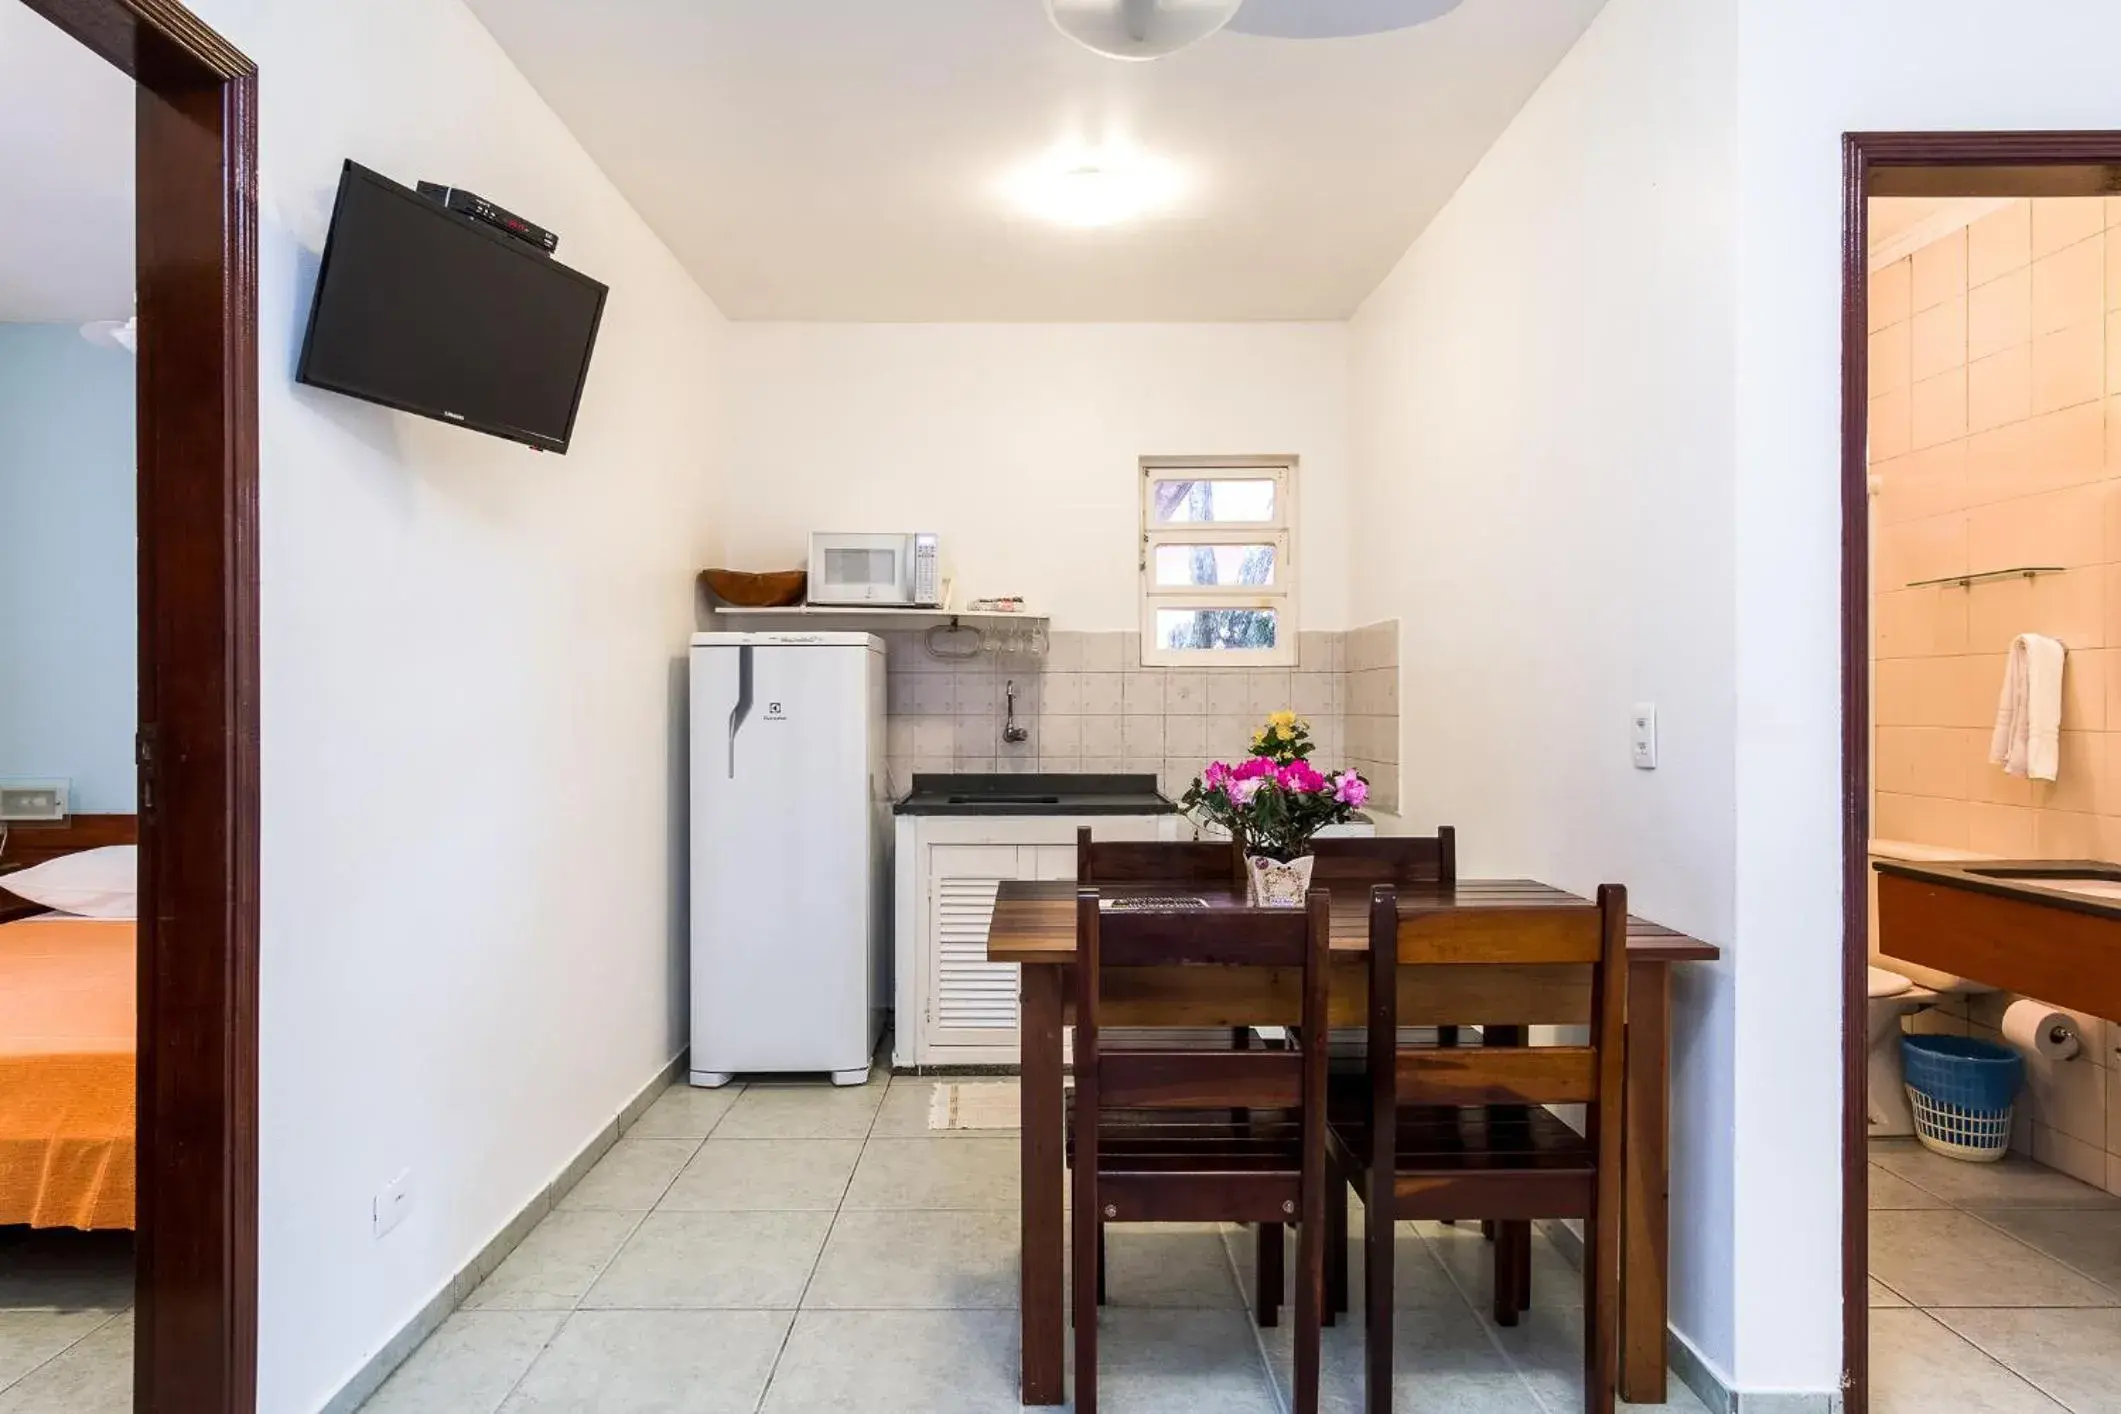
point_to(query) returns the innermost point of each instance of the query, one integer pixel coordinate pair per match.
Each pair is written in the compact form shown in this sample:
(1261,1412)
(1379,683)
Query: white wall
(471,736)
(1810,70)
(1543,442)
(1019,443)
(69,696)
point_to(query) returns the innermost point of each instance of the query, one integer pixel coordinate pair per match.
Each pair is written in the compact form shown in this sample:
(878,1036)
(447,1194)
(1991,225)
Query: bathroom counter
(2046,928)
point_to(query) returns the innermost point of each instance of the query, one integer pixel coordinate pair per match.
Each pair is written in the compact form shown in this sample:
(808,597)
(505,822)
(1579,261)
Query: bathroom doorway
(1981,502)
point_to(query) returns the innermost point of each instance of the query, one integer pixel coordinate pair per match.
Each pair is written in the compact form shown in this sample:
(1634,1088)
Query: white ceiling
(839,159)
(66,167)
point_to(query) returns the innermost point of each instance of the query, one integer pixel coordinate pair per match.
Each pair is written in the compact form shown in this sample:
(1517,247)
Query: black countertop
(1035,794)
(2033,881)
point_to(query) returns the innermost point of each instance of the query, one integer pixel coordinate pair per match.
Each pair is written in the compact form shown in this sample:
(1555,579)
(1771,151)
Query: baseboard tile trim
(1695,1370)
(370,1377)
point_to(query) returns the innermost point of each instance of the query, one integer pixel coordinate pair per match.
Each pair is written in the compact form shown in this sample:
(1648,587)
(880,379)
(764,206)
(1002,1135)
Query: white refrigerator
(790,826)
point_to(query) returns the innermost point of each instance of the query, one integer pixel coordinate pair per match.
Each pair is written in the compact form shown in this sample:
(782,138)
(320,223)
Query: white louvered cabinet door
(970,1001)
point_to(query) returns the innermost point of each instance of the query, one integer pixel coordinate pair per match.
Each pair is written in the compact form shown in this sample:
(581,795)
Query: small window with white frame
(1218,572)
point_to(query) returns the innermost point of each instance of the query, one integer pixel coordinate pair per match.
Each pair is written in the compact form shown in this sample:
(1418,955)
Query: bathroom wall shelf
(1968,581)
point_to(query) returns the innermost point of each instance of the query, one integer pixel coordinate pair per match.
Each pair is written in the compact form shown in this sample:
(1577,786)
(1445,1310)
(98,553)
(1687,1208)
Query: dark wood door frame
(196,236)
(1898,164)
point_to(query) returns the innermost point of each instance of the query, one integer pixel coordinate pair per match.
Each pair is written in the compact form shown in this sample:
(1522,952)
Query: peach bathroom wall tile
(1918,623)
(1937,338)
(1938,767)
(2062,834)
(1986,782)
(2069,365)
(1997,461)
(2080,786)
(2113,351)
(1924,483)
(1890,359)
(2064,448)
(2064,527)
(1997,612)
(1999,314)
(2084,673)
(2069,285)
(1999,390)
(1893,693)
(1976,685)
(1890,293)
(1895,752)
(2060,221)
(2113,261)
(1917,550)
(1999,243)
(1938,271)
(2111,592)
(1937,409)
(2071,607)
(1921,820)
(2005,831)
(1890,425)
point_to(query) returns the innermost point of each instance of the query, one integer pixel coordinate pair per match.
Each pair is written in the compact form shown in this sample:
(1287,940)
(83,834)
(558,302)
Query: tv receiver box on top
(478,208)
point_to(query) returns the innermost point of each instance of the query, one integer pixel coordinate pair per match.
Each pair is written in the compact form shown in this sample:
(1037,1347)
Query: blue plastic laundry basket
(1962,1091)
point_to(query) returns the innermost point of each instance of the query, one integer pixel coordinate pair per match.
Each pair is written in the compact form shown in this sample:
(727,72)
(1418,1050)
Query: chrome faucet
(1012,731)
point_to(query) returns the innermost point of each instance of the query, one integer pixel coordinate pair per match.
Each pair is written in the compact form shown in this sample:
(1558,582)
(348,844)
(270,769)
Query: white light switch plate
(393,1203)
(1642,735)
(33,800)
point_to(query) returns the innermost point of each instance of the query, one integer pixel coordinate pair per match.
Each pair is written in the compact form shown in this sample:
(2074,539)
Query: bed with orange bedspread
(67,1054)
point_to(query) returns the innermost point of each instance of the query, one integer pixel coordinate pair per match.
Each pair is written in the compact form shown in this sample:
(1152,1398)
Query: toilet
(1898,990)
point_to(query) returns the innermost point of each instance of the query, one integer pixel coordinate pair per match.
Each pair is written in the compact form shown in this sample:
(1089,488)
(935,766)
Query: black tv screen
(425,310)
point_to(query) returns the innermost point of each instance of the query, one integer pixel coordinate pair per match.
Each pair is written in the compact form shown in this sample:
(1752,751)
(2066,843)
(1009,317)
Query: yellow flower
(1259,738)
(1285,732)
(1281,719)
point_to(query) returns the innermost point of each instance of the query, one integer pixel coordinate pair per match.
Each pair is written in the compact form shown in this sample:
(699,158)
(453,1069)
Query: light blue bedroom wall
(67,554)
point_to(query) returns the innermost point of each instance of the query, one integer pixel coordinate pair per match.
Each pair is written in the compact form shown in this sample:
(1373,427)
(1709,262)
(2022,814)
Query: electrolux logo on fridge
(774,712)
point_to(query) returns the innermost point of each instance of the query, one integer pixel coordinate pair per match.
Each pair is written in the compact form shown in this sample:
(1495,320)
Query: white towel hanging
(2028,735)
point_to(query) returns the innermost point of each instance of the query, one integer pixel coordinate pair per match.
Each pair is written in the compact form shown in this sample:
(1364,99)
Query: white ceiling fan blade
(1334,19)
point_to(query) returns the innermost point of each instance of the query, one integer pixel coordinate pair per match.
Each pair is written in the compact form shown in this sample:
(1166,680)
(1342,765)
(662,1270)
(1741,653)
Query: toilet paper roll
(2041,1030)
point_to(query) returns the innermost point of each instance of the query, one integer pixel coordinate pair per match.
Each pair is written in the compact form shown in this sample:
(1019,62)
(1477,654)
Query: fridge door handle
(738,713)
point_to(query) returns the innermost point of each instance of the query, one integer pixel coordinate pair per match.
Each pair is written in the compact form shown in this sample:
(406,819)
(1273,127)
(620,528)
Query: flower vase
(1274,883)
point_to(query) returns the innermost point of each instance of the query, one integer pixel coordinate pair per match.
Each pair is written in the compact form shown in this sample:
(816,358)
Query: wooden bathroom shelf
(1968,581)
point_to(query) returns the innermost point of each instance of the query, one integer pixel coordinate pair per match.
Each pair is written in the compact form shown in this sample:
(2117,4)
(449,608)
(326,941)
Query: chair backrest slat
(1562,964)
(1155,1080)
(1111,944)
(1180,863)
(1407,861)
(1475,1075)
(1567,934)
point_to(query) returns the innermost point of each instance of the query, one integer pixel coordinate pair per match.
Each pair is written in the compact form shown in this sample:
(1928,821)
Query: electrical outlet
(392,1203)
(1642,735)
(33,800)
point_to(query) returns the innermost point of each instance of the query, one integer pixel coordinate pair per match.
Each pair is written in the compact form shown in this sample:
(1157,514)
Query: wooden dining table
(1033,926)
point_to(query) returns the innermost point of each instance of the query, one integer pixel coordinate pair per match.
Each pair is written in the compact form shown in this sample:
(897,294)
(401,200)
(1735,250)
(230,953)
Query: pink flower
(1252,767)
(1242,791)
(1351,789)
(1217,776)
(1302,777)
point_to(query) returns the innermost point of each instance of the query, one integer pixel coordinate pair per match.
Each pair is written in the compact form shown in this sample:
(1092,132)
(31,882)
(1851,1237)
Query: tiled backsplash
(1088,704)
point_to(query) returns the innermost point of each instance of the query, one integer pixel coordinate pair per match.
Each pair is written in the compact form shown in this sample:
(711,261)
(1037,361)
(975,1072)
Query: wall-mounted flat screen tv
(425,310)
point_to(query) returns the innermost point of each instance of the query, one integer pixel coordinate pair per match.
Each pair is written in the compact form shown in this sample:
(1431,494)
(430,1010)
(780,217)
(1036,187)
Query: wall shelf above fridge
(883,619)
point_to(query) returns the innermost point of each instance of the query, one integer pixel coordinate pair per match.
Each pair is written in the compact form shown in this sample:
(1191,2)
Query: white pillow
(96,883)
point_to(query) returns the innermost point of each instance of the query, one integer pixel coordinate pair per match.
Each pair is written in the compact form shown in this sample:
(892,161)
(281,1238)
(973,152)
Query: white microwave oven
(898,571)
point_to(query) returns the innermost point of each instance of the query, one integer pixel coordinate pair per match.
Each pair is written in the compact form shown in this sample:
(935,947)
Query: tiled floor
(1995,1288)
(792,1249)
(66,1325)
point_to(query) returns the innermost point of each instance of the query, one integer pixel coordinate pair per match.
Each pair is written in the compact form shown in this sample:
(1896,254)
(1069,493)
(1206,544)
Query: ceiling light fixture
(120,334)
(1335,19)
(1082,187)
(1139,29)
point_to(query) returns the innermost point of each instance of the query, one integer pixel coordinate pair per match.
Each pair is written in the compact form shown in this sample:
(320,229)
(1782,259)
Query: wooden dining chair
(1466,1133)
(1408,861)
(1150,1133)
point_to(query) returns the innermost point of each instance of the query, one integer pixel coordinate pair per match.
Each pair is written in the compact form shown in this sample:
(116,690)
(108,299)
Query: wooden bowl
(745,590)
